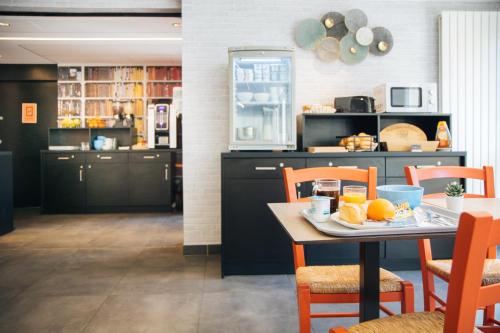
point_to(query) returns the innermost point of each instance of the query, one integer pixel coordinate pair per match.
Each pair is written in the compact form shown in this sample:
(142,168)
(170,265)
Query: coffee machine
(162,126)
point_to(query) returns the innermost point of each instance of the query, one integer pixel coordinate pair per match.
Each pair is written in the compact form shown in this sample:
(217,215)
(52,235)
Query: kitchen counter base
(108,181)
(254,243)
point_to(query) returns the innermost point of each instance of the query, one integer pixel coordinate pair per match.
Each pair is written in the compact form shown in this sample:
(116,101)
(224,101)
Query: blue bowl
(401,193)
(98,144)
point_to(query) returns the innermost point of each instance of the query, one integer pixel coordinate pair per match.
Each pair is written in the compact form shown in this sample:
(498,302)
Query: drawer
(149,157)
(107,158)
(65,157)
(260,167)
(360,162)
(395,165)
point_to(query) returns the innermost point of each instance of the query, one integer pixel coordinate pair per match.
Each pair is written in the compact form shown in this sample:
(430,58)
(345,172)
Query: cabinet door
(107,184)
(150,184)
(250,232)
(63,186)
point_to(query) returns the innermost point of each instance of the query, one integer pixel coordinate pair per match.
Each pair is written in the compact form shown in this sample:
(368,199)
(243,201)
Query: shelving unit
(88,92)
(324,129)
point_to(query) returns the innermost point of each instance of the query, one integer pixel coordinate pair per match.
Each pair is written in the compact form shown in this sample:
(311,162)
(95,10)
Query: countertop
(112,151)
(267,154)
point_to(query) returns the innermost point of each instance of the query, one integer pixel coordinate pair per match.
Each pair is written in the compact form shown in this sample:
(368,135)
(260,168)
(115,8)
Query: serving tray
(333,228)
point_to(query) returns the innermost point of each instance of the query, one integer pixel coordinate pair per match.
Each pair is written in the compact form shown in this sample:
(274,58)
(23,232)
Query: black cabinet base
(112,209)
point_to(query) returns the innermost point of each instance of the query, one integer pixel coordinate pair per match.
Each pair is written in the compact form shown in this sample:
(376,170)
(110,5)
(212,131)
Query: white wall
(210,27)
(470,80)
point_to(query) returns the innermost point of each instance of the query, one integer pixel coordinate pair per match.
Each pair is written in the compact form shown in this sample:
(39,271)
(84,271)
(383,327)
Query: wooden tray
(427,146)
(332,149)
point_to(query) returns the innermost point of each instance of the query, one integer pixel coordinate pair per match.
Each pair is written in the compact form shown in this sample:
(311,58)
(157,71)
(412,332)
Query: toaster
(355,104)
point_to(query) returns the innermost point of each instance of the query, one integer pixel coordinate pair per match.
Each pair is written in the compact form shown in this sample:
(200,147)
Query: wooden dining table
(302,232)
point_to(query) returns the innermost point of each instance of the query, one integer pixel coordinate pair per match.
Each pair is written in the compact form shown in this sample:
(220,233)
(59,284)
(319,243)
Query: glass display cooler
(262,99)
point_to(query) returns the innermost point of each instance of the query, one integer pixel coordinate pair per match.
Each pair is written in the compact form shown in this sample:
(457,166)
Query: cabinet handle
(63,158)
(106,157)
(81,175)
(148,157)
(265,168)
(299,194)
(166,172)
(348,166)
(424,166)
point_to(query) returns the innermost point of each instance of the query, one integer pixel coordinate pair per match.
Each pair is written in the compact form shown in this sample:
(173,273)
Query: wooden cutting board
(402,133)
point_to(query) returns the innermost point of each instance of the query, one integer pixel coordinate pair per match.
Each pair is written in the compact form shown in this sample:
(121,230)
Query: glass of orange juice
(355,194)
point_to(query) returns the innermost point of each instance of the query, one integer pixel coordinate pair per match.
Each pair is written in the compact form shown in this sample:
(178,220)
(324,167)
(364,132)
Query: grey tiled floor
(126,273)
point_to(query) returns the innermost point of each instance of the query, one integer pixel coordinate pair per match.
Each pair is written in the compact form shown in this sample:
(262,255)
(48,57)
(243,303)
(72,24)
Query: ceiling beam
(91,8)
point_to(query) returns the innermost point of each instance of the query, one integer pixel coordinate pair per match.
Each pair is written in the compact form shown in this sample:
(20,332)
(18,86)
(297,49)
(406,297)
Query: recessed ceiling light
(177,24)
(4,24)
(92,38)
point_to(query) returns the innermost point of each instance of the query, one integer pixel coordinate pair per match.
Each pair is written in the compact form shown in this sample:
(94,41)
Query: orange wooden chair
(340,283)
(467,290)
(442,268)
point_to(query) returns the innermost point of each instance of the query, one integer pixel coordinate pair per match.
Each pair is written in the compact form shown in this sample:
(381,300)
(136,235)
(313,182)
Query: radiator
(470,86)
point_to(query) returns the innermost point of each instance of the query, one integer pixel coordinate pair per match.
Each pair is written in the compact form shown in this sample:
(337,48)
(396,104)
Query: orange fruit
(380,209)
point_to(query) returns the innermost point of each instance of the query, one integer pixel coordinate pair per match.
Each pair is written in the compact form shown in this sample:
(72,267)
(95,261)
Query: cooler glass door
(261,85)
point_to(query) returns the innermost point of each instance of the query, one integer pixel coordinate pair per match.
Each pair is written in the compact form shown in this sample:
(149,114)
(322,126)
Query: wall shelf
(94,80)
(324,129)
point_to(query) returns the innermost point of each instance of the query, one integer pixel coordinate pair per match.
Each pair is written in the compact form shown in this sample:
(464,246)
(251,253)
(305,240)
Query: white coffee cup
(320,208)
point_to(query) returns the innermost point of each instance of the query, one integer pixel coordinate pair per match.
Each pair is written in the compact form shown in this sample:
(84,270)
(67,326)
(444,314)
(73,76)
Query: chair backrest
(414,176)
(292,177)
(476,232)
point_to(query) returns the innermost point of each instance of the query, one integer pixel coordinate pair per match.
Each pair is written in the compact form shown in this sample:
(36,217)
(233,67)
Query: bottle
(443,135)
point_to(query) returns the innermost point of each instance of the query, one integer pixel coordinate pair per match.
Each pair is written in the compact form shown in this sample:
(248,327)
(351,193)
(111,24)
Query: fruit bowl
(400,193)
(244,96)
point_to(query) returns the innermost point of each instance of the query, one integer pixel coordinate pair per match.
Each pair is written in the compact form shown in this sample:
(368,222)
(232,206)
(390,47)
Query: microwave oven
(413,97)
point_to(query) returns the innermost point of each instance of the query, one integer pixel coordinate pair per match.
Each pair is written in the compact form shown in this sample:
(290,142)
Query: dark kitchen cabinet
(253,242)
(107,179)
(77,182)
(150,179)
(64,183)
(6,191)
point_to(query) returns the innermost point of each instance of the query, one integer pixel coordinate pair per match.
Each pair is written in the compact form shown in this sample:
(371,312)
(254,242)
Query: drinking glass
(355,194)
(328,188)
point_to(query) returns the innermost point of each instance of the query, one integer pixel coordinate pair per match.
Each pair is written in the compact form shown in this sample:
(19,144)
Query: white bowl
(244,96)
(261,97)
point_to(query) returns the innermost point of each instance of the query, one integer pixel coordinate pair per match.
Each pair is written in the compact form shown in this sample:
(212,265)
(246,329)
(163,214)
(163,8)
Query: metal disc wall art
(347,37)
(382,41)
(364,36)
(309,33)
(355,19)
(351,52)
(328,49)
(334,24)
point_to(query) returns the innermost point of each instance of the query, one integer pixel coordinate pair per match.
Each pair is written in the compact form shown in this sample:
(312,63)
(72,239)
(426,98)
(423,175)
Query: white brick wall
(210,27)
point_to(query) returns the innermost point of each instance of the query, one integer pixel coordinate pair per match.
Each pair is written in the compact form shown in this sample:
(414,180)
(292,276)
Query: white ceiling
(91,52)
